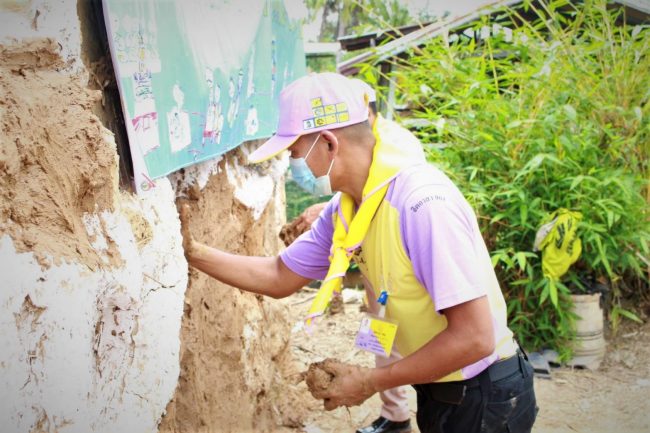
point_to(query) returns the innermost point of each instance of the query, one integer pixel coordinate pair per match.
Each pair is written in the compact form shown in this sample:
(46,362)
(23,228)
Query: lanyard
(383,298)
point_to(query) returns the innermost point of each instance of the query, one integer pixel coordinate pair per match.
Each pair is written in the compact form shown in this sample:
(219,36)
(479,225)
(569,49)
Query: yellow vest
(386,266)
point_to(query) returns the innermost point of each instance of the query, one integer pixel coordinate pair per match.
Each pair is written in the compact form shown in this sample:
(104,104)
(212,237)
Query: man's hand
(339,384)
(189,244)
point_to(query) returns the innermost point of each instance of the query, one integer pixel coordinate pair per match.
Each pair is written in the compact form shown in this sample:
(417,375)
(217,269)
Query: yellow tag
(376,335)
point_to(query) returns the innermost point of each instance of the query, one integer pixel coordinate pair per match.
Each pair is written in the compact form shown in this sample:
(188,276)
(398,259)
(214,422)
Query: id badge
(376,335)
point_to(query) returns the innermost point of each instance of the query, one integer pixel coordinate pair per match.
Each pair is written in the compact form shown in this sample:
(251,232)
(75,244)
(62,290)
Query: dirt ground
(615,398)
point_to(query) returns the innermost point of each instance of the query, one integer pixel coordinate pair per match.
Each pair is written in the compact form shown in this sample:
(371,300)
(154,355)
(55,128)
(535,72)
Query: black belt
(453,392)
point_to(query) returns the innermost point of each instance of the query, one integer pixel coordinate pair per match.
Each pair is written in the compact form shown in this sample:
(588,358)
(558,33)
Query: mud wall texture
(99,328)
(237,374)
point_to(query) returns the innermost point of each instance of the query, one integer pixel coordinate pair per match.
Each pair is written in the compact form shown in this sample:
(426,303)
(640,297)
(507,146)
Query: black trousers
(500,399)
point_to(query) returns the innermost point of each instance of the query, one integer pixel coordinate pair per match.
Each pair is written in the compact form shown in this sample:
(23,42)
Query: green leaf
(576,181)
(610,219)
(628,315)
(553,293)
(523,214)
(497,217)
(521,260)
(544,295)
(570,112)
(473,173)
(603,257)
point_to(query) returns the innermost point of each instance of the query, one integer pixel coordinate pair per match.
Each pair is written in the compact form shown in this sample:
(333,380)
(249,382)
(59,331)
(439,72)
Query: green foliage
(321,64)
(357,16)
(381,14)
(556,117)
(299,200)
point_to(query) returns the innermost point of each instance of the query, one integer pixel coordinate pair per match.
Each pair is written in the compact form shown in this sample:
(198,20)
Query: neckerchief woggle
(395,150)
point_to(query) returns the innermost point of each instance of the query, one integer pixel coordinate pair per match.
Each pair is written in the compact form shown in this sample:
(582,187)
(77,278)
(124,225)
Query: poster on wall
(198,78)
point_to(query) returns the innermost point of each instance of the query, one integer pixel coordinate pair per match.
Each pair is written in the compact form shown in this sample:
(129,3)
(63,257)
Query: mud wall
(93,279)
(100,330)
(236,371)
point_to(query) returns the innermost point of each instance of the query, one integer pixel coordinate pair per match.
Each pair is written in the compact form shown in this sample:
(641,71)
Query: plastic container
(589,346)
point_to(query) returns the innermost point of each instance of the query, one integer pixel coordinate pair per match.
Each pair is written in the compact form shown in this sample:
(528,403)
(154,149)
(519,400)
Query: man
(417,242)
(394,416)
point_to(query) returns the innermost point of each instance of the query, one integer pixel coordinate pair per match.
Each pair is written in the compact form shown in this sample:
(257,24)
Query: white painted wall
(256,188)
(56,19)
(83,350)
(88,351)
(255,185)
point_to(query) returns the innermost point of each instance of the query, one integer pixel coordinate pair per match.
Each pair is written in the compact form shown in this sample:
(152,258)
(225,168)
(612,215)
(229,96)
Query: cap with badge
(313,103)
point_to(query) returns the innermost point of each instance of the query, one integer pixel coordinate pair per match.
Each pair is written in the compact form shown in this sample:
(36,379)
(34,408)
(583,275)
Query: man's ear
(332,142)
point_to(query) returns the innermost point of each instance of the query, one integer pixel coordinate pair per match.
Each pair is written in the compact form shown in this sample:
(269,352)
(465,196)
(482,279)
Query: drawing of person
(213,115)
(235,94)
(178,122)
(217,122)
(145,117)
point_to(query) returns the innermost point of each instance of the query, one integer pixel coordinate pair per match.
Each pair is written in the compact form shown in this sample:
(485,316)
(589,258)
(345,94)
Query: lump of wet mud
(320,375)
(320,378)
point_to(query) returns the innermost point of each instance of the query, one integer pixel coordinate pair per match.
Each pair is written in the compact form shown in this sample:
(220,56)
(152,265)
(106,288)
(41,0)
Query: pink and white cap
(313,103)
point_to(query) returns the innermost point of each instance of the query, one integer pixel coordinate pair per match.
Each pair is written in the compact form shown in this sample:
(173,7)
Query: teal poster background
(197,78)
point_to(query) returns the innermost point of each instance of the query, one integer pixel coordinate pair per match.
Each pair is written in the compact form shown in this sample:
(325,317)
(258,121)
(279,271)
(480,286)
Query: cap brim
(272,147)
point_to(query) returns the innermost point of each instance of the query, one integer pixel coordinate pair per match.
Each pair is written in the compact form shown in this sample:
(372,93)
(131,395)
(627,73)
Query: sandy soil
(613,399)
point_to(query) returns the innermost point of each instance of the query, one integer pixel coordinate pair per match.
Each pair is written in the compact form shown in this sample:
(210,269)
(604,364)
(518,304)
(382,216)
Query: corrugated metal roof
(637,11)
(420,36)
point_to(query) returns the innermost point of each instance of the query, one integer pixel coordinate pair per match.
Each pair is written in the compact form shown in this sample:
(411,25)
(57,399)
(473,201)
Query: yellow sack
(559,242)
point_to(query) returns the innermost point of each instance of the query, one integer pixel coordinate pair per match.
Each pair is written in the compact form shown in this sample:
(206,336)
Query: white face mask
(305,178)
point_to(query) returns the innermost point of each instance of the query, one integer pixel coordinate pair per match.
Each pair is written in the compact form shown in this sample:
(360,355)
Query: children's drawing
(198,78)
(145,117)
(213,116)
(178,122)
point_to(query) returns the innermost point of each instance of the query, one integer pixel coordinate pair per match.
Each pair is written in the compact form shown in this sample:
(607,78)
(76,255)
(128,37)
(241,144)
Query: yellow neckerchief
(350,228)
